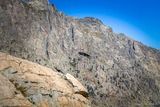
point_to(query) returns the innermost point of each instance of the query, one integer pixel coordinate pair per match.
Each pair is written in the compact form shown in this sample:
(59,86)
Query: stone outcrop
(26,84)
(116,70)
(78,88)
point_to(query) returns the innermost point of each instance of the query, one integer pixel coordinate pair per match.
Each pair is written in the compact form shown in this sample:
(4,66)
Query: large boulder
(26,84)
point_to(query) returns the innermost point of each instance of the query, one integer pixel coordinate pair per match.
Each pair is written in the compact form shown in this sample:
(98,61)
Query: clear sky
(138,19)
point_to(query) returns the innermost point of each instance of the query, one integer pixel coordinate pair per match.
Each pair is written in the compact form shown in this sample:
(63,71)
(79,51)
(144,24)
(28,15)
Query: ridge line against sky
(138,19)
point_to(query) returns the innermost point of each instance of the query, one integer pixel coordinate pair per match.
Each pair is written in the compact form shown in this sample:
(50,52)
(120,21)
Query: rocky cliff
(116,70)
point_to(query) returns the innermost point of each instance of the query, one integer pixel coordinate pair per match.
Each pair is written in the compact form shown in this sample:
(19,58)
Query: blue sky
(138,19)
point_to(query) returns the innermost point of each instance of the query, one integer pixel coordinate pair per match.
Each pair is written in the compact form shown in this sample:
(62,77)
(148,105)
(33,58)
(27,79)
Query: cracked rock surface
(26,84)
(117,71)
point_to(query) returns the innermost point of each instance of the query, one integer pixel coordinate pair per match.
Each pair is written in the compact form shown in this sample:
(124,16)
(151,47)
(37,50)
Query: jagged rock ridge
(116,70)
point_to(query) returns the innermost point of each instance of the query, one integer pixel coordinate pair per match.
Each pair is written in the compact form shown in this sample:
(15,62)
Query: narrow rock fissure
(72,33)
(59,70)
(84,54)
(50,29)
(84,94)
(47,45)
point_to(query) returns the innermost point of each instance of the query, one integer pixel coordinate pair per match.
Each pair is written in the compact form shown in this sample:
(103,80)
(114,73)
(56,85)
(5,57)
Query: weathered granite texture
(27,84)
(116,70)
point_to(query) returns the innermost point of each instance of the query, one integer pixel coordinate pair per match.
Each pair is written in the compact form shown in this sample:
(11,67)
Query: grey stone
(118,71)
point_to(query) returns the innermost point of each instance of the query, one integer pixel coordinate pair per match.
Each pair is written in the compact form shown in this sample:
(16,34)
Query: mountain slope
(116,70)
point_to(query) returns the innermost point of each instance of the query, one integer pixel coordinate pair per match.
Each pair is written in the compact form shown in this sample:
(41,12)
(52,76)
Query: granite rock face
(116,70)
(27,84)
